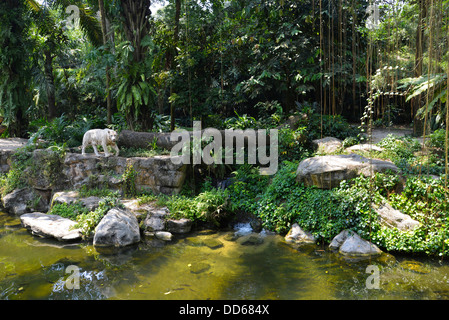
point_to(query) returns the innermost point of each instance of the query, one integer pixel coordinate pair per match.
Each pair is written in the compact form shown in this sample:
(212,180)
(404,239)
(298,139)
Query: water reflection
(237,264)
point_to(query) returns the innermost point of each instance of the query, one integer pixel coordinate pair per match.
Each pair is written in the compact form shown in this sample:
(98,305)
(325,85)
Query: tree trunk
(173,55)
(108,77)
(354,61)
(415,104)
(51,99)
(136,14)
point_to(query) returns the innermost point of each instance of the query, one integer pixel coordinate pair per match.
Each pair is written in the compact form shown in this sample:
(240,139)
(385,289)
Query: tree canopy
(124,65)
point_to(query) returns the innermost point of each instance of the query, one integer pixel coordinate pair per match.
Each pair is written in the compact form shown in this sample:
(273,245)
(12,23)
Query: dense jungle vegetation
(342,66)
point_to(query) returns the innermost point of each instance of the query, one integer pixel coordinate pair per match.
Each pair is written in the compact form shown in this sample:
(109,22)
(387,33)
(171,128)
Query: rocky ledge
(50,226)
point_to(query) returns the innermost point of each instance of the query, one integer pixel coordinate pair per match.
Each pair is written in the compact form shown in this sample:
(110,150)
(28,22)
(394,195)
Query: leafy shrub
(270,113)
(85,192)
(400,147)
(330,126)
(210,206)
(241,122)
(13,179)
(129,180)
(323,212)
(246,189)
(16,177)
(437,139)
(69,211)
(292,144)
(350,141)
(88,221)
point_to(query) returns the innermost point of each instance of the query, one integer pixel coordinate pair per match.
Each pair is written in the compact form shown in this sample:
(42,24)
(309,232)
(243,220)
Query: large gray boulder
(24,200)
(118,228)
(393,218)
(51,226)
(327,172)
(351,244)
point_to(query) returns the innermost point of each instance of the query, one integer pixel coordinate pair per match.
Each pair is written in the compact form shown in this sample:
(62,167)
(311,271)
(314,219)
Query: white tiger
(103,137)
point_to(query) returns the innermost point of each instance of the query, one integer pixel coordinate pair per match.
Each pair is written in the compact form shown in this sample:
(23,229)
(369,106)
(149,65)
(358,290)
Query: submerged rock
(252,240)
(199,241)
(415,267)
(51,226)
(298,235)
(118,228)
(198,267)
(179,226)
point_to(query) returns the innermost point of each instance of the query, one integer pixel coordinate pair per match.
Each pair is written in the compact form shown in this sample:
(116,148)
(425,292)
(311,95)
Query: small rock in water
(208,242)
(179,226)
(198,267)
(256,225)
(163,235)
(230,237)
(252,240)
(298,235)
(213,243)
(415,267)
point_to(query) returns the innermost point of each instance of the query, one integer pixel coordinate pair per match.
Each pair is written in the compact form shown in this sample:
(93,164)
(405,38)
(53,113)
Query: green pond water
(205,265)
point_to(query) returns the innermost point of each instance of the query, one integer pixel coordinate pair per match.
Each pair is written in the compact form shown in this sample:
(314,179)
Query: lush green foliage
(129,180)
(284,201)
(69,211)
(88,221)
(209,206)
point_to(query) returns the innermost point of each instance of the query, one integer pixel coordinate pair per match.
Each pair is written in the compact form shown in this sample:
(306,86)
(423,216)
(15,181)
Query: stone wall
(48,172)
(157,174)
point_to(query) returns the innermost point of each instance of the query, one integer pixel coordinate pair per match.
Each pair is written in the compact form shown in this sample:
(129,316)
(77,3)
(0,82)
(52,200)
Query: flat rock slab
(327,172)
(51,226)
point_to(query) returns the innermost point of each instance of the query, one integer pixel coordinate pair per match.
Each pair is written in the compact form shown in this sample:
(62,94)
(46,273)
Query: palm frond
(88,20)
